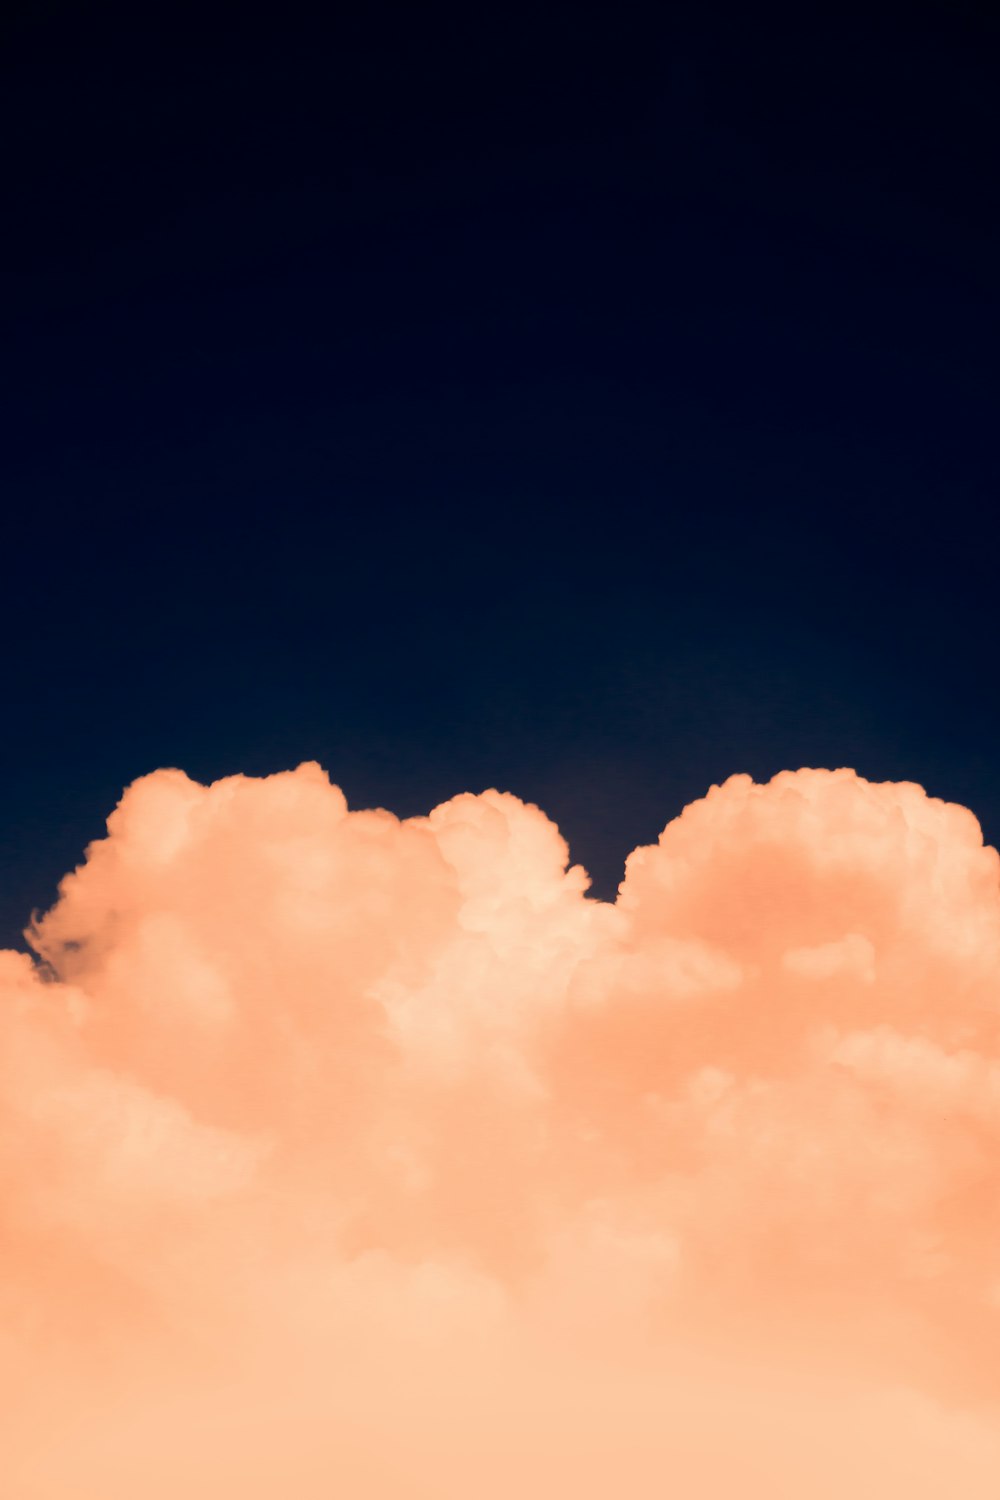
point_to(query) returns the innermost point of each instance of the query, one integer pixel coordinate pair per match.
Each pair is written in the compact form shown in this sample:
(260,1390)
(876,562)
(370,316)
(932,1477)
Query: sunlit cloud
(344,1154)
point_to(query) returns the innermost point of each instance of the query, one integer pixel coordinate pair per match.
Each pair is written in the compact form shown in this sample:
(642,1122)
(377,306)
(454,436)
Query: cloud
(340,1153)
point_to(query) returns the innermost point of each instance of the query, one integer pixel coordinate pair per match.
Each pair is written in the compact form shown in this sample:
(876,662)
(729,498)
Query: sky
(499,614)
(590,406)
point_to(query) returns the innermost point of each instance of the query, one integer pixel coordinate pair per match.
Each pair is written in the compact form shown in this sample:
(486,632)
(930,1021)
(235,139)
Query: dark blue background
(589,404)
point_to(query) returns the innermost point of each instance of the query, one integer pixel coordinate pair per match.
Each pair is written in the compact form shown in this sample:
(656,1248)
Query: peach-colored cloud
(344,1154)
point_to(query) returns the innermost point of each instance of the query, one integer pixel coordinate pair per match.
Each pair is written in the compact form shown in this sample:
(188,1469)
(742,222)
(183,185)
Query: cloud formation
(344,1154)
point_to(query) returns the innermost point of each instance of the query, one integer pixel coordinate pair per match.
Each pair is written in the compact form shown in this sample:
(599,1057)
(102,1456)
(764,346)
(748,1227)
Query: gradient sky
(588,405)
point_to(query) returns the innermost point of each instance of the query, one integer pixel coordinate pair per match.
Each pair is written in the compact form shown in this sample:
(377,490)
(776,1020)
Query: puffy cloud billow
(344,1155)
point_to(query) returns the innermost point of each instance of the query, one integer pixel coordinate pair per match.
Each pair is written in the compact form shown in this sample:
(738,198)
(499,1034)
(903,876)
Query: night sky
(583,404)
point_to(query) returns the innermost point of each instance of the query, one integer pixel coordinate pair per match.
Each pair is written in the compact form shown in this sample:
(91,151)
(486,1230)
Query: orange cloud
(344,1154)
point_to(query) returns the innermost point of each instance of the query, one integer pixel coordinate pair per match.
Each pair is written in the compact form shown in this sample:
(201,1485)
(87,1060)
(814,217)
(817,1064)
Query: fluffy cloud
(347,1154)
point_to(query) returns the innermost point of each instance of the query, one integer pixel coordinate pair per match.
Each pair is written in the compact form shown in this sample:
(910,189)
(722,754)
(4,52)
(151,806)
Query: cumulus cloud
(345,1154)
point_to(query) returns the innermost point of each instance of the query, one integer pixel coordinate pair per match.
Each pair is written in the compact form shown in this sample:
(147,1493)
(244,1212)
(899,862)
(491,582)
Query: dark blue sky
(587,405)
